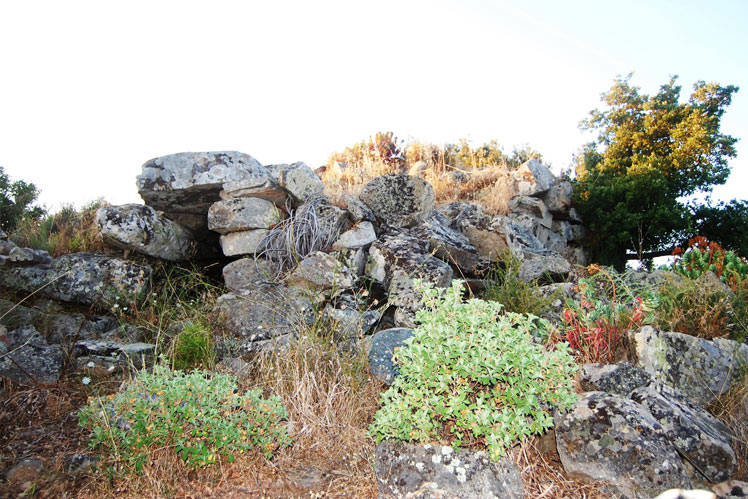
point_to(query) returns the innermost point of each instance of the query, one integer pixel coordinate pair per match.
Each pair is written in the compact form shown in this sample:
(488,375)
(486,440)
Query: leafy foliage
(16,198)
(650,151)
(726,223)
(472,374)
(516,295)
(201,415)
(193,347)
(703,256)
(607,308)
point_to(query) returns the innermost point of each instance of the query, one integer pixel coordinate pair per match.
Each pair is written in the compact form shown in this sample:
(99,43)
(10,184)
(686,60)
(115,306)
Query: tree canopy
(16,199)
(650,153)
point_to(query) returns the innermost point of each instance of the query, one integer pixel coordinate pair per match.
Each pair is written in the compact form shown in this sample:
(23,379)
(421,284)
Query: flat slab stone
(245,242)
(240,214)
(399,200)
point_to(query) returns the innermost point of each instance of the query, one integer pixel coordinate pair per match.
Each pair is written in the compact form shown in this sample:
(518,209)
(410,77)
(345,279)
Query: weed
(472,375)
(505,286)
(67,231)
(703,256)
(193,347)
(199,415)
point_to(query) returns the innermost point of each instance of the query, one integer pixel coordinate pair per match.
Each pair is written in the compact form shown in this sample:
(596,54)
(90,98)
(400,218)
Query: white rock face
(399,200)
(239,214)
(359,236)
(242,243)
(533,178)
(139,228)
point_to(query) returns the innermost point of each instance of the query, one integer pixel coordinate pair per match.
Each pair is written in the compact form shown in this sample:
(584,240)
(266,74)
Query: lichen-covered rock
(263,312)
(381,346)
(245,273)
(399,200)
(692,431)
(239,214)
(260,186)
(620,379)
(246,242)
(348,322)
(65,327)
(533,178)
(323,273)
(551,267)
(298,180)
(558,199)
(488,235)
(613,439)
(139,228)
(189,182)
(358,210)
(102,358)
(358,236)
(449,245)
(29,358)
(533,207)
(699,368)
(12,254)
(84,278)
(390,250)
(435,471)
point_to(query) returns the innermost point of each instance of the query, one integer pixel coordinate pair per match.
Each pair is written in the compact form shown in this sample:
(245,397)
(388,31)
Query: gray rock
(25,472)
(80,463)
(189,182)
(102,358)
(555,242)
(731,489)
(533,178)
(29,359)
(552,267)
(321,272)
(359,236)
(435,471)
(699,368)
(67,327)
(489,236)
(3,235)
(240,214)
(533,207)
(389,250)
(260,186)
(245,273)
(264,312)
(449,245)
(235,367)
(578,232)
(84,278)
(610,438)
(563,229)
(246,242)
(619,379)
(692,431)
(398,200)
(139,228)
(355,259)
(358,210)
(460,211)
(575,217)
(381,347)
(349,323)
(558,199)
(298,180)
(12,254)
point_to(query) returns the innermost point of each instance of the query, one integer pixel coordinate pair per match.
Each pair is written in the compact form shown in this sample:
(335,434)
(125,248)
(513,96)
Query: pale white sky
(90,90)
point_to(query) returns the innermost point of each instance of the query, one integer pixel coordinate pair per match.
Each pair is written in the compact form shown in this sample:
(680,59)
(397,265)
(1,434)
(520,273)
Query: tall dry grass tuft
(68,231)
(732,409)
(330,399)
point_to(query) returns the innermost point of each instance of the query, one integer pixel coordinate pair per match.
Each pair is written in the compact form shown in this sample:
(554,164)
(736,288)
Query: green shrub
(200,415)
(505,286)
(703,256)
(471,373)
(193,347)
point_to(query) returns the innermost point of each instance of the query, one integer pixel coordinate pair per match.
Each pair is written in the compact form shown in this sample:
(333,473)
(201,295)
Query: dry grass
(732,409)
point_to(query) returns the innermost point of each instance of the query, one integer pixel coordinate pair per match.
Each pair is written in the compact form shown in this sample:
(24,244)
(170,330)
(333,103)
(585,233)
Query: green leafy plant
(606,309)
(200,415)
(472,374)
(506,287)
(703,256)
(193,347)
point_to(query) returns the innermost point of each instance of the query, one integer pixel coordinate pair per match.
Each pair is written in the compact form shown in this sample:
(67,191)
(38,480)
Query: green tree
(726,223)
(651,151)
(15,201)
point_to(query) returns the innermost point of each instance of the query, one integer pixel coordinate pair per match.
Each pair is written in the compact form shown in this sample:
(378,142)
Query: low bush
(68,231)
(518,296)
(199,415)
(193,347)
(472,374)
(703,256)
(607,308)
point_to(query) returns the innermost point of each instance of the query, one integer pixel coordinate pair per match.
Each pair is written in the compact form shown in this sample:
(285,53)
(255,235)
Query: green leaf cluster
(16,198)
(650,152)
(201,415)
(472,373)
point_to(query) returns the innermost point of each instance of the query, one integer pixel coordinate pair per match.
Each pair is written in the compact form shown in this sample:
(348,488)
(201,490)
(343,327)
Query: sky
(91,90)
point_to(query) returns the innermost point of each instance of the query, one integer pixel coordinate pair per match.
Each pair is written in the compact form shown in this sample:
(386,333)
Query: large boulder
(239,214)
(139,228)
(184,185)
(613,439)
(84,278)
(533,178)
(431,471)
(260,186)
(29,359)
(621,378)
(399,200)
(448,244)
(559,198)
(699,368)
(695,433)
